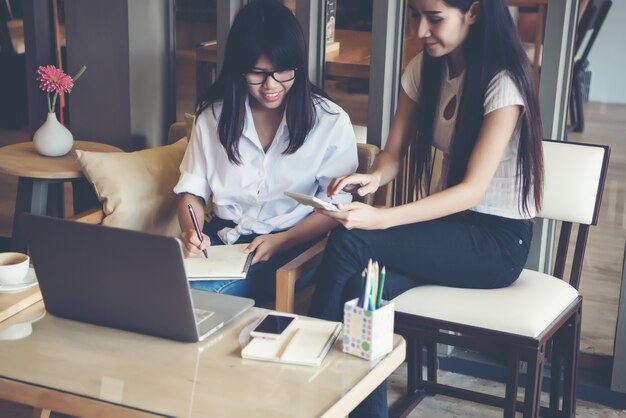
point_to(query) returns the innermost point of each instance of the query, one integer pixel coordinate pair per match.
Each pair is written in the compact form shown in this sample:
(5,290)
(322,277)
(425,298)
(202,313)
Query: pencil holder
(367,334)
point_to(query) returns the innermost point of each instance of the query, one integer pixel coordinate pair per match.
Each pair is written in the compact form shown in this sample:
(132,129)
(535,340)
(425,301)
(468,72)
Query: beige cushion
(525,308)
(135,188)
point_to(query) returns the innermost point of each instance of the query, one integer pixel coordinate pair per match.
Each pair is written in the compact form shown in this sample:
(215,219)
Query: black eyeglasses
(258,77)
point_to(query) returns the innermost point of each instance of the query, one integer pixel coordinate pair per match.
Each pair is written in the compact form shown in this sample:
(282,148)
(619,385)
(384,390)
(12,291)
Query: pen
(192,214)
(374,289)
(361,299)
(380,287)
(366,287)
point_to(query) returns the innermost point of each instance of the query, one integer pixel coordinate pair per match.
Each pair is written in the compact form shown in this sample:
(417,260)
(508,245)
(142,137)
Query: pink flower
(54,80)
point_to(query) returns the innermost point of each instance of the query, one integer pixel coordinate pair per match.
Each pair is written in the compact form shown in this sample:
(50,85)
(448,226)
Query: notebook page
(311,342)
(223,262)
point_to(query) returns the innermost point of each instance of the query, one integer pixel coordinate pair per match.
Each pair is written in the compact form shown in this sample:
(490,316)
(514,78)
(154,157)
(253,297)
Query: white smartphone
(273,325)
(312,201)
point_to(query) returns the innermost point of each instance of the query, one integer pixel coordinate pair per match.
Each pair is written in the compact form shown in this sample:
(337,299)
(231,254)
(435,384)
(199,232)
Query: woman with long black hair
(472,96)
(262,129)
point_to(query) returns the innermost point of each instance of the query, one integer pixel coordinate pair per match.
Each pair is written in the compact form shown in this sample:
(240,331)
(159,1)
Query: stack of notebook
(307,343)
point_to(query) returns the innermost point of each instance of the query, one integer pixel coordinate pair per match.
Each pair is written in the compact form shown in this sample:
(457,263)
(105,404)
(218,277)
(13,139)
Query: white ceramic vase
(53,139)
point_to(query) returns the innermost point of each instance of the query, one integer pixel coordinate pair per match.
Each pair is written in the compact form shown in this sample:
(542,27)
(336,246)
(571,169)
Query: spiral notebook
(224,262)
(306,344)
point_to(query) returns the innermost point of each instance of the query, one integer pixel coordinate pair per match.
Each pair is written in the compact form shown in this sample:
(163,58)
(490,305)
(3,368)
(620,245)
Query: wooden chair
(288,276)
(588,28)
(285,277)
(520,320)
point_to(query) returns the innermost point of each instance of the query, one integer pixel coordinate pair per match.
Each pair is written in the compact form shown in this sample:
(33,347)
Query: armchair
(304,264)
(286,277)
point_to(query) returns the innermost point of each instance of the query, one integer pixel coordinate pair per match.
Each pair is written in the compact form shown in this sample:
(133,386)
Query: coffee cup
(13,268)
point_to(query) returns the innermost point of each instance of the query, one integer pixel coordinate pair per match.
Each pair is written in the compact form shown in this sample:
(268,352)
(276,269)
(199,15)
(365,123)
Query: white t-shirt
(502,197)
(251,194)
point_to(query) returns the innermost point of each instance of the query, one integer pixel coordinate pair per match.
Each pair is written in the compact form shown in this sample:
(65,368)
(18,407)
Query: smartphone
(273,325)
(312,201)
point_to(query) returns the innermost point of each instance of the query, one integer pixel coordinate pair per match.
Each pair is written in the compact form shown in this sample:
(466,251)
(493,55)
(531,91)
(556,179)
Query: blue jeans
(469,250)
(260,283)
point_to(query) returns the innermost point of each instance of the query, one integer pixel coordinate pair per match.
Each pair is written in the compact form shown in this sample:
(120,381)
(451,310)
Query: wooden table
(86,370)
(39,175)
(351,59)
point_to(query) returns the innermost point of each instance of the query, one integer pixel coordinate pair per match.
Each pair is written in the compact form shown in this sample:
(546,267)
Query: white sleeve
(340,158)
(412,76)
(501,92)
(195,167)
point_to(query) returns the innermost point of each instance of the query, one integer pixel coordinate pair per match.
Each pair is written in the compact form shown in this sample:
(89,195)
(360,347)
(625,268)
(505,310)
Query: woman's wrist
(384,215)
(377,177)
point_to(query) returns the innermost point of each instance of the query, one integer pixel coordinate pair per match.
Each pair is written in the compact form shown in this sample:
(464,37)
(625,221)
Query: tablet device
(312,201)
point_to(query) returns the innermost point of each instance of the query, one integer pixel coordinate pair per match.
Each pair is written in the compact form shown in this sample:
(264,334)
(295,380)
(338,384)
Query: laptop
(122,279)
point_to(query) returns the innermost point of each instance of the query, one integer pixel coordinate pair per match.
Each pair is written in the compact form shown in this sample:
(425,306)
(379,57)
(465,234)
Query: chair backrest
(574,176)
(589,26)
(177,131)
(367,154)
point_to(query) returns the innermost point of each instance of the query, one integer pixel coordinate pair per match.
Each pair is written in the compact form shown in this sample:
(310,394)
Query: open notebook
(223,262)
(307,344)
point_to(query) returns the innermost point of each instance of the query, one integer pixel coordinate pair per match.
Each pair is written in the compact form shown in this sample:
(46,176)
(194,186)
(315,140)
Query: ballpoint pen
(192,214)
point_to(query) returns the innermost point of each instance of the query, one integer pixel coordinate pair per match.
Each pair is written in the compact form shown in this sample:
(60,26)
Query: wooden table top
(86,370)
(22,160)
(526,3)
(351,59)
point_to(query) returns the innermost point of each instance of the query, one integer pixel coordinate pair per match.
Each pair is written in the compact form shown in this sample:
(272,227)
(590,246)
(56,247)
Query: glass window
(195,51)
(348,36)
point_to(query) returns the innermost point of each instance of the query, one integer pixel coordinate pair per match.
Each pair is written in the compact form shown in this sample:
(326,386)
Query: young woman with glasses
(262,129)
(471,95)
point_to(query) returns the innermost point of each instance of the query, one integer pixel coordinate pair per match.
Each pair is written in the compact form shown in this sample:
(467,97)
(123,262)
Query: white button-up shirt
(251,194)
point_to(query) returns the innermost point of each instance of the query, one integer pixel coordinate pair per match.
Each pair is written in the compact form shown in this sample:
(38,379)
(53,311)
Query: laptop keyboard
(201,315)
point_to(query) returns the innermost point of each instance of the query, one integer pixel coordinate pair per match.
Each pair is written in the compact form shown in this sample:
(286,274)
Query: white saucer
(29,281)
(20,325)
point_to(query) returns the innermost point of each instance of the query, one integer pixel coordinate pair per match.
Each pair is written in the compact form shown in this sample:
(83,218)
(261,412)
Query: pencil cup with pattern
(367,334)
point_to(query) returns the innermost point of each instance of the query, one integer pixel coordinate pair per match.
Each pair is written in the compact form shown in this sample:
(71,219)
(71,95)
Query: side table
(43,177)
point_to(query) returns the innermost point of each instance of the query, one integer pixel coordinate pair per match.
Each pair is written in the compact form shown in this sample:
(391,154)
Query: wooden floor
(602,268)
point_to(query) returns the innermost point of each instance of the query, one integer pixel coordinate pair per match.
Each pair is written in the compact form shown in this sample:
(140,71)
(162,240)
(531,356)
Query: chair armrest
(91,216)
(287,275)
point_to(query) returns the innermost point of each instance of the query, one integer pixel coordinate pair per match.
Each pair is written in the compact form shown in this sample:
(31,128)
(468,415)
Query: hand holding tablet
(312,201)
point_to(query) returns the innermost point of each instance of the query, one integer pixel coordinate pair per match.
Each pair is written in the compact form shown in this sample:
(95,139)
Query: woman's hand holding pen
(361,184)
(357,215)
(266,246)
(192,245)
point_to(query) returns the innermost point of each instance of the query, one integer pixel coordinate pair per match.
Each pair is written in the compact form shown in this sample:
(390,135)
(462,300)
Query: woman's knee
(344,241)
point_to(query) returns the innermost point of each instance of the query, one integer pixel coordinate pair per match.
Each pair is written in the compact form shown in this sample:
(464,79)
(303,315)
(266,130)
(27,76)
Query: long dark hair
(492,45)
(264,27)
